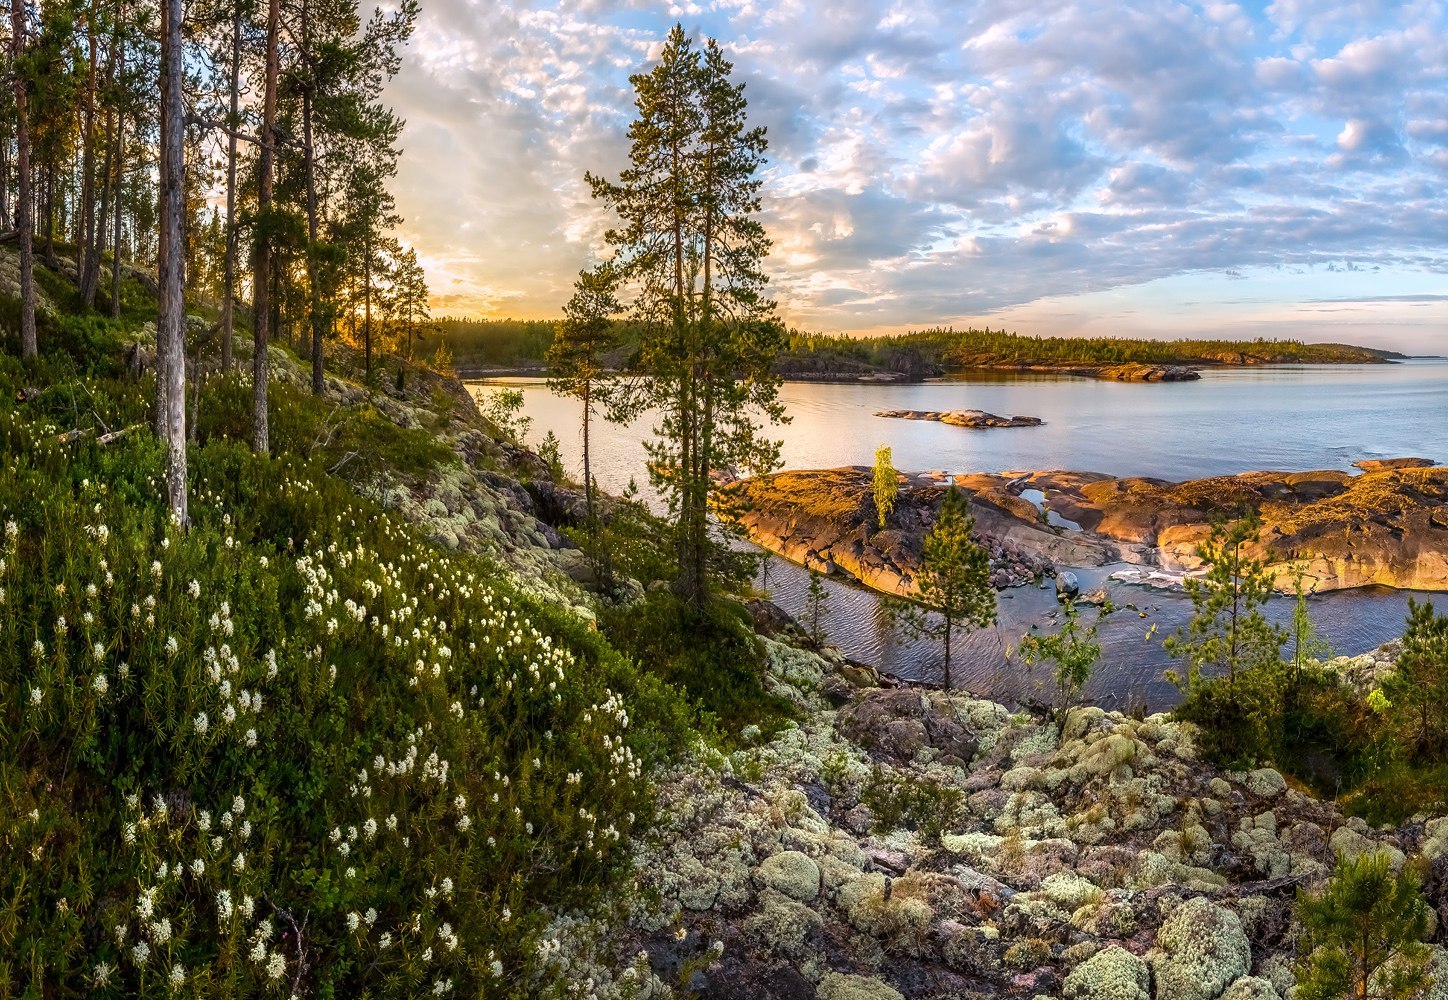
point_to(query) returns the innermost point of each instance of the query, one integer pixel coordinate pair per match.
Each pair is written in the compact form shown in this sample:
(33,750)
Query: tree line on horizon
(521,342)
(256,189)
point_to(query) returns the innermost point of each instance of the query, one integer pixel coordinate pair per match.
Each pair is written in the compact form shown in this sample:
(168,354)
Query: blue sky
(1152,168)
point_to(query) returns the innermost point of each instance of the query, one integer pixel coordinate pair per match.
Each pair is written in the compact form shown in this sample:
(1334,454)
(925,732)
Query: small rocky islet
(974,419)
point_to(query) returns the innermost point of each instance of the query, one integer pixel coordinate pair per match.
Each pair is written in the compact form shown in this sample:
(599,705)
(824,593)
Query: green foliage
(1419,684)
(954,588)
(817,609)
(548,450)
(1307,645)
(900,800)
(295,716)
(690,249)
(917,351)
(503,409)
(710,654)
(496,341)
(1228,631)
(1363,935)
(355,442)
(886,484)
(1074,650)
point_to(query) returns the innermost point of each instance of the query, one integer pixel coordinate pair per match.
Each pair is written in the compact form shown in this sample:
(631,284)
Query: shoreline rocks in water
(1379,528)
(1393,464)
(976,419)
(1134,372)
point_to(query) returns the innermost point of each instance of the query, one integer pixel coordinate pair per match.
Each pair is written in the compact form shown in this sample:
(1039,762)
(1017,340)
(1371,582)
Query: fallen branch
(80,433)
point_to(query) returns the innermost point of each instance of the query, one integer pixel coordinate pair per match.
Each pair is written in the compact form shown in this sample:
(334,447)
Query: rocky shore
(906,844)
(977,419)
(1385,527)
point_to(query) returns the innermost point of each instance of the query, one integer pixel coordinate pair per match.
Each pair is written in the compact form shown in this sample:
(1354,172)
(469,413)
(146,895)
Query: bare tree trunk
(88,258)
(261,294)
(23,220)
(120,170)
(367,300)
(172,265)
(314,285)
(234,122)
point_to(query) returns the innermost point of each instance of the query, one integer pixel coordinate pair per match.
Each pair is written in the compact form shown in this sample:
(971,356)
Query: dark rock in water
(1067,585)
(1392,464)
(976,419)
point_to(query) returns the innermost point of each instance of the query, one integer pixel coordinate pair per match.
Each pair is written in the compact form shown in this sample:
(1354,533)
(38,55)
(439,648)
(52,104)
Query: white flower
(238,805)
(194,589)
(351,873)
(353,921)
(140,952)
(100,684)
(203,820)
(201,723)
(276,965)
(98,652)
(247,906)
(239,862)
(171,645)
(102,974)
(178,974)
(223,904)
(36,695)
(251,737)
(370,916)
(369,828)
(161,930)
(198,867)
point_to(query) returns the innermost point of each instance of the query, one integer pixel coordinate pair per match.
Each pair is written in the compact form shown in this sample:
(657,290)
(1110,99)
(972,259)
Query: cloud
(937,160)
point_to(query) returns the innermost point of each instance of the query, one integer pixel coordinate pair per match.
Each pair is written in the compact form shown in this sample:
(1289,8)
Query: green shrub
(294,719)
(713,657)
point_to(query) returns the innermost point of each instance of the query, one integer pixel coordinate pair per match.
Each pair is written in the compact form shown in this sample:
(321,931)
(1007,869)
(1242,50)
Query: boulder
(1204,951)
(1111,974)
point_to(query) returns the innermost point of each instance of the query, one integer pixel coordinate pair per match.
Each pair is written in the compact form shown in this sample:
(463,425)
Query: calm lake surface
(1232,420)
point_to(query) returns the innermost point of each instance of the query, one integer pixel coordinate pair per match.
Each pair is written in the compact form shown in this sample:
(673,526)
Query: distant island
(483,348)
(912,357)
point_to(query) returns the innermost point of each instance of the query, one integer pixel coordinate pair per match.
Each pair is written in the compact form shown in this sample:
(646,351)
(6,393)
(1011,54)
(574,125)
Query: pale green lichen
(1204,950)
(792,873)
(783,926)
(838,986)
(1251,988)
(1111,974)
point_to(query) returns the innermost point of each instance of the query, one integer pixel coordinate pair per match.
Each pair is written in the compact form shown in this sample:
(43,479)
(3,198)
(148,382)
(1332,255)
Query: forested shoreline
(523,344)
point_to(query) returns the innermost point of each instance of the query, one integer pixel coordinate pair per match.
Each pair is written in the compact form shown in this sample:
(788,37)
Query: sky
(1151,168)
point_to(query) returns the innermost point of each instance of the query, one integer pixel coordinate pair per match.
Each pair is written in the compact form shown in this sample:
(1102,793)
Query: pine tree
(576,356)
(1363,935)
(953,588)
(1074,650)
(1228,630)
(24,220)
(1420,682)
(691,250)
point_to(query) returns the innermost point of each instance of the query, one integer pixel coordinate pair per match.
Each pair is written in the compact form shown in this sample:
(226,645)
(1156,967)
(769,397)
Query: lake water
(1232,420)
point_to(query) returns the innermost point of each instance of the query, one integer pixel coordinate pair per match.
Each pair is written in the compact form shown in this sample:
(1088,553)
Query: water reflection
(1296,418)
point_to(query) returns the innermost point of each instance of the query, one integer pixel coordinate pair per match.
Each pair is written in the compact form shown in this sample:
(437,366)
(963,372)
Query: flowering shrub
(293,749)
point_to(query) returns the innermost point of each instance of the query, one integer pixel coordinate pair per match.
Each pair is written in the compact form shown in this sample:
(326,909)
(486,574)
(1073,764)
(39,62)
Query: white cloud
(931,161)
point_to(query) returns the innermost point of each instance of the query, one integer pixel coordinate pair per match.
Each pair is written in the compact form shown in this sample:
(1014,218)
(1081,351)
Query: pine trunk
(261,295)
(233,121)
(313,283)
(89,246)
(24,221)
(172,267)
